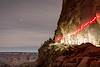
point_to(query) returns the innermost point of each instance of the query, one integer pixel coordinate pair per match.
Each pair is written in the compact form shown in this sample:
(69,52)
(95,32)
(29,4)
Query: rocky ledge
(84,55)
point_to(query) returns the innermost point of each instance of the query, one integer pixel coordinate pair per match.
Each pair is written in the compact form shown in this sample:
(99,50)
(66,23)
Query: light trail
(69,39)
(84,25)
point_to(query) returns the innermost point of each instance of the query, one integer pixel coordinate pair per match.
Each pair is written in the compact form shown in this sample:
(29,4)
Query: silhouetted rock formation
(74,13)
(84,55)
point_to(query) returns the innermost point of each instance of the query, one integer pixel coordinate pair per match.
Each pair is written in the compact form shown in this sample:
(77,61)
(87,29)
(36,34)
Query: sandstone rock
(84,62)
(95,63)
(69,65)
(73,14)
(82,56)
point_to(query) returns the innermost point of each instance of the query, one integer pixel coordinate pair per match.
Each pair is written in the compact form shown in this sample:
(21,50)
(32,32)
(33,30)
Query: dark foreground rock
(74,13)
(84,55)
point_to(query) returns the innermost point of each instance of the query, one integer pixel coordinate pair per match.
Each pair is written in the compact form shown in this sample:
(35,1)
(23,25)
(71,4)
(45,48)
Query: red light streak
(58,38)
(84,25)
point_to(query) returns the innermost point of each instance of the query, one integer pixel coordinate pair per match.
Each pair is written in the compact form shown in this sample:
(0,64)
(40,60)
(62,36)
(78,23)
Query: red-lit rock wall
(98,10)
(75,12)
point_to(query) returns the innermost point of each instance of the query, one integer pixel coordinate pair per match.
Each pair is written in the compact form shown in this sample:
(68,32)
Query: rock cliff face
(84,55)
(74,13)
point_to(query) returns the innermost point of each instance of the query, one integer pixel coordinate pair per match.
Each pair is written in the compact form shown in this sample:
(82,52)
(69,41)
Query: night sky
(27,23)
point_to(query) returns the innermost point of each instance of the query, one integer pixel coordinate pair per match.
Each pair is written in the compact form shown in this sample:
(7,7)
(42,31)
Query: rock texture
(74,13)
(84,55)
(15,59)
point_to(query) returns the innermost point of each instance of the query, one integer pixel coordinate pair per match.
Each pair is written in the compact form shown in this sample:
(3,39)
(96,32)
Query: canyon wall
(76,12)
